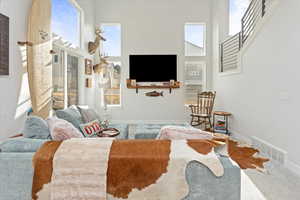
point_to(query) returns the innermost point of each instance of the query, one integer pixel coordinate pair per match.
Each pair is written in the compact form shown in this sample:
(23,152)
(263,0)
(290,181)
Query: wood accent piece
(15,136)
(4,45)
(25,43)
(39,59)
(168,86)
(222,113)
(201,113)
(88,83)
(88,66)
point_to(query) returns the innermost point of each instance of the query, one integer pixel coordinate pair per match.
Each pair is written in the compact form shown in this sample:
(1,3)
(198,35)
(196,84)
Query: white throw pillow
(62,130)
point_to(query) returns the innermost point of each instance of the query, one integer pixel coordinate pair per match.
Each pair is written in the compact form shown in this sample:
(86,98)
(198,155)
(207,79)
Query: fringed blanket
(73,169)
(132,169)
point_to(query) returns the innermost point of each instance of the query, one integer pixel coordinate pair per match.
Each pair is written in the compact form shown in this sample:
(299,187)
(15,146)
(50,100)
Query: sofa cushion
(150,131)
(71,115)
(17,145)
(36,127)
(62,130)
(143,136)
(123,128)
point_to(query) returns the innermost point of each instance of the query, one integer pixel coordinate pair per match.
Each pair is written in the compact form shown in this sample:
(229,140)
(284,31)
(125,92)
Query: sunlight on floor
(249,190)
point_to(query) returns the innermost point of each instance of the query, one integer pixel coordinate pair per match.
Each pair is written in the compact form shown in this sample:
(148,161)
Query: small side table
(223,114)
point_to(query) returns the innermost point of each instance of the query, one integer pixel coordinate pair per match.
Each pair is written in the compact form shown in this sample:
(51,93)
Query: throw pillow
(88,114)
(91,129)
(62,130)
(36,128)
(71,115)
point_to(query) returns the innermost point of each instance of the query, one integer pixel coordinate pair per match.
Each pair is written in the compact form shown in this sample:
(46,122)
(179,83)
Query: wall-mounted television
(153,68)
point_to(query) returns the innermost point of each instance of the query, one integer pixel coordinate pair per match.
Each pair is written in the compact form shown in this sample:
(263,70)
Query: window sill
(230,73)
(114,106)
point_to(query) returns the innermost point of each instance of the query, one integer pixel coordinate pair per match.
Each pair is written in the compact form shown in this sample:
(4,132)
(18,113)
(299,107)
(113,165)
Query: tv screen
(153,68)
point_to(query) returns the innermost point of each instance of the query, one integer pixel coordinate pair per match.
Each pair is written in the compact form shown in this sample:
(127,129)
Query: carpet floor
(277,184)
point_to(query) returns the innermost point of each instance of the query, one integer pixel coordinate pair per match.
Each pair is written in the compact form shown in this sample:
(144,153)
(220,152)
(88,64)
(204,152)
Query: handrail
(230,47)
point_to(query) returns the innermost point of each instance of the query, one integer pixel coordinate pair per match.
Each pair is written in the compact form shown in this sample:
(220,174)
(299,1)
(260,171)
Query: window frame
(121,39)
(202,83)
(80,24)
(229,19)
(115,59)
(204,38)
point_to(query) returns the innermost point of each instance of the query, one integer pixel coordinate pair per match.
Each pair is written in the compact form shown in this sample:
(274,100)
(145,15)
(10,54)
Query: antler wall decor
(93,46)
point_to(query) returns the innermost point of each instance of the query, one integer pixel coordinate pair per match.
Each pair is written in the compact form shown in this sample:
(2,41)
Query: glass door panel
(72,76)
(58,80)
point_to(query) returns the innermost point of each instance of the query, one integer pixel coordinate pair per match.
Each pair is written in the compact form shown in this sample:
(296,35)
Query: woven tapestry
(4,45)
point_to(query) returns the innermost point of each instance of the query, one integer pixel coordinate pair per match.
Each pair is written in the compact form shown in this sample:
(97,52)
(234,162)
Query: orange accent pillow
(91,129)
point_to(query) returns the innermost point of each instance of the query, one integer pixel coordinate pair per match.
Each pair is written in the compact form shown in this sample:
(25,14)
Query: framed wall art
(88,67)
(4,45)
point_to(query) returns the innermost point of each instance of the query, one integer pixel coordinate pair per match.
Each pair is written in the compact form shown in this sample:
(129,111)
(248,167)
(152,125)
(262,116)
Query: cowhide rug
(244,156)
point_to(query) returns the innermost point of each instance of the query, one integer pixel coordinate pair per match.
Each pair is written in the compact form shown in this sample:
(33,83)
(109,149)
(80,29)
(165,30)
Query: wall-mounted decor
(88,67)
(39,58)
(88,83)
(93,46)
(4,45)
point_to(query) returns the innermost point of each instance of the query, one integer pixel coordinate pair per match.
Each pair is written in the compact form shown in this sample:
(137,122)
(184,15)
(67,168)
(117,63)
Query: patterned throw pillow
(62,130)
(91,129)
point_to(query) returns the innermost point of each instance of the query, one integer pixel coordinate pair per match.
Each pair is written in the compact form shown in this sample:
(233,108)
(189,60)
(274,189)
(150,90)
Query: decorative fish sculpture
(154,94)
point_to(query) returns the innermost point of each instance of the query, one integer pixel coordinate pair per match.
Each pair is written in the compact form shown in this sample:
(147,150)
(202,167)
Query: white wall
(264,98)
(11,118)
(14,88)
(154,27)
(86,95)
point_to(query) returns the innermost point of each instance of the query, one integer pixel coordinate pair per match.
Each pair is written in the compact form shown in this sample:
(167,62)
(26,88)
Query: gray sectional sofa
(16,170)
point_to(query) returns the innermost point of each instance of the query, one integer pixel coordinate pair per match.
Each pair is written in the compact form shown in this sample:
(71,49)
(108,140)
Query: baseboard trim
(290,165)
(293,167)
(240,137)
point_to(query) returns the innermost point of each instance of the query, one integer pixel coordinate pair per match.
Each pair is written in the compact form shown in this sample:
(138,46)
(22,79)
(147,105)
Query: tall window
(66,21)
(237,9)
(195,39)
(112,48)
(195,67)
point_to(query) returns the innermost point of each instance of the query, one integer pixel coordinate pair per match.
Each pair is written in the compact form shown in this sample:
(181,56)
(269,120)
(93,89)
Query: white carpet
(278,184)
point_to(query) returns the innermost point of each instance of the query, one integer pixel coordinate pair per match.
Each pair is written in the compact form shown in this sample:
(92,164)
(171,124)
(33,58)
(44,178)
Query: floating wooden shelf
(153,86)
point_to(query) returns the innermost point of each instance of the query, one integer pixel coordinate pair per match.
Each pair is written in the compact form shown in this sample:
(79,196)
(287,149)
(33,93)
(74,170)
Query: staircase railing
(229,52)
(231,47)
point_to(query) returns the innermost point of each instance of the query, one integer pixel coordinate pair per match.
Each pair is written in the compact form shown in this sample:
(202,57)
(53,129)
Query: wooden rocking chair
(202,112)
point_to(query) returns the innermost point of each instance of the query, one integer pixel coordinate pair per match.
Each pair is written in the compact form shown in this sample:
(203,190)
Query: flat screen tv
(153,68)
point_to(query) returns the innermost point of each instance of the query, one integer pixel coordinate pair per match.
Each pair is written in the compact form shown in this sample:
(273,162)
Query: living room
(93,47)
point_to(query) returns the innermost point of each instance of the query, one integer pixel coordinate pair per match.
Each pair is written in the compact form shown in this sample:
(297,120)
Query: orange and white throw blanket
(118,169)
(73,169)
